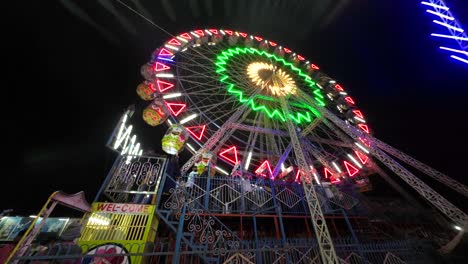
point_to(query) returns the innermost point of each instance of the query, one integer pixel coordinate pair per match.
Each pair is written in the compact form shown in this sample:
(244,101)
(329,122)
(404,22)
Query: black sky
(74,66)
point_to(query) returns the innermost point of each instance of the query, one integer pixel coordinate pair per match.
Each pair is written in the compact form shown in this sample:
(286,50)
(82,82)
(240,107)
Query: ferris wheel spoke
(214,139)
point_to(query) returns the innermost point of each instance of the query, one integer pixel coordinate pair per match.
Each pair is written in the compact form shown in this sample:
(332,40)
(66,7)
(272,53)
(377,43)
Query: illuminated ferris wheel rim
(164,58)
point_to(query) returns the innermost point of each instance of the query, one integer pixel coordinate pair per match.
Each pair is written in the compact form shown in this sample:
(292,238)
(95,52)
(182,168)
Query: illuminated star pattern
(276,81)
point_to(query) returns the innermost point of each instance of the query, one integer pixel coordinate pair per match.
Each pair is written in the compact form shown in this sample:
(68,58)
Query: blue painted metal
(162,184)
(259,260)
(278,212)
(180,230)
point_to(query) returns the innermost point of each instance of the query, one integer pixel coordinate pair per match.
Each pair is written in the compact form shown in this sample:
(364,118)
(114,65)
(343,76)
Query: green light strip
(226,55)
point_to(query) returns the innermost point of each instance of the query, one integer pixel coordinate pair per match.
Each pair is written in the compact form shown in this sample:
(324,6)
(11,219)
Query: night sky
(73,66)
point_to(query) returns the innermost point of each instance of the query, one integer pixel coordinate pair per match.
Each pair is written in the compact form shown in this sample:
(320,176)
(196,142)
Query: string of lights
(445,19)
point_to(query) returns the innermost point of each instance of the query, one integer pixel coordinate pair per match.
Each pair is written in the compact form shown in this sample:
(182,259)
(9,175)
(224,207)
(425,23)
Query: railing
(134,181)
(266,251)
(235,195)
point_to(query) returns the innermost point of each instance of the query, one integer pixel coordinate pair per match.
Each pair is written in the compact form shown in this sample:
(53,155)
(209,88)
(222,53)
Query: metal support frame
(325,243)
(433,173)
(394,184)
(453,23)
(279,213)
(285,155)
(437,200)
(180,230)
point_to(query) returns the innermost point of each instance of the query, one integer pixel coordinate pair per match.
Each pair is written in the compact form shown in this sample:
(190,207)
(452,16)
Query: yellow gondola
(173,141)
(156,113)
(146,91)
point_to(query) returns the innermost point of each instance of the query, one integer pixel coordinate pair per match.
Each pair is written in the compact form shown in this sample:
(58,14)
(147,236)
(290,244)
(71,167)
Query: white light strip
(184,49)
(208,32)
(247,162)
(196,45)
(359,119)
(336,167)
(282,167)
(455,50)
(343,93)
(439,14)
(221,170)
(169,121)
(434,5)
(190,147)
(165,75)
(319,86)
(194,34)
(121,137)
(171,47)
(448,36)
(188,118)
(332,81)
(361,147)
(124,118)
(354,161)
(222,32)
(182,39)
(317,179)
(448,26)
(458,58)
(314,172)
(172,95)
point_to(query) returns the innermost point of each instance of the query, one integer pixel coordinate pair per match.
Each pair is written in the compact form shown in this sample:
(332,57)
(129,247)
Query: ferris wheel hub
(271,79)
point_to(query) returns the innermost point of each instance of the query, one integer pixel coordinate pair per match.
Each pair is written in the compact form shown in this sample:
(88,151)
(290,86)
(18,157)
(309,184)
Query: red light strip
(339,88)
(181,107)
(185,36)
(364,142)
(192,129)
(258,38)
(350,168)
(257,171)
(165,52)
(287,50)
(243,34)
(298,176)
(214,31)
(233,161)
(174,42)
(363,158)
(328,173)
(300,57)
(199,32)
(273,44)
(163,86)
(315,67)
(333,180)
(349,99)
(358,113)
(160,67)
(229,32)
(364,127)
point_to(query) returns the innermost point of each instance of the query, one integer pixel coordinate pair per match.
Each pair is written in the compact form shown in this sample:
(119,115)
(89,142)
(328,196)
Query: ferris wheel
(251,107)
(235,94)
